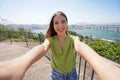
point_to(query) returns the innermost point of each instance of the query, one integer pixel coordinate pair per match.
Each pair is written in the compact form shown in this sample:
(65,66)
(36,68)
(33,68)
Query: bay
(110,35)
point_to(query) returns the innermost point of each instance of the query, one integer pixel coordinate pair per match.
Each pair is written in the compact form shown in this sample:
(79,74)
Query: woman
(63,63)
(62,49)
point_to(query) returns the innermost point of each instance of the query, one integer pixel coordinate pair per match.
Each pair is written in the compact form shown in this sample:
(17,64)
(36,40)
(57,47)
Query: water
(39,31)
(87,32)
(99,34)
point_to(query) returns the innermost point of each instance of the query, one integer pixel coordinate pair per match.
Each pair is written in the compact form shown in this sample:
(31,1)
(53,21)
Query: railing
(24,36)
(85,72)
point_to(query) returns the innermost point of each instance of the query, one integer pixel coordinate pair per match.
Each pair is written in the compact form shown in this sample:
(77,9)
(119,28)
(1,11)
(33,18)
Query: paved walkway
(38,71)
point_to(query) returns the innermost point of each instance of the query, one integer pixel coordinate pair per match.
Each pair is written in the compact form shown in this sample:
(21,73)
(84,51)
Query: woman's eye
(59,22)
(55,23)
(63,21)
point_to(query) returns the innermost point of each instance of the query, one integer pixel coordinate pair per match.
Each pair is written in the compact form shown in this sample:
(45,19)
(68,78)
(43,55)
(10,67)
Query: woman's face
(60,24)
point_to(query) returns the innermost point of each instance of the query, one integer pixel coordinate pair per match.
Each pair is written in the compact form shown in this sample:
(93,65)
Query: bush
(17,36)
(75,34)
(41,37)
(110,50)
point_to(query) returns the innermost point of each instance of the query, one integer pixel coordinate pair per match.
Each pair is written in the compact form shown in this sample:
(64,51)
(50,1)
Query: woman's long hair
(51,32)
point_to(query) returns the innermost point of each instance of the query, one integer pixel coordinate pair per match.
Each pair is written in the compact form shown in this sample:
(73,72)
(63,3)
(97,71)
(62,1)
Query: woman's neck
(62,37)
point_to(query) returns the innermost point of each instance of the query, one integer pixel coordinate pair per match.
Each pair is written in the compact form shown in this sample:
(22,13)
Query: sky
(77,11)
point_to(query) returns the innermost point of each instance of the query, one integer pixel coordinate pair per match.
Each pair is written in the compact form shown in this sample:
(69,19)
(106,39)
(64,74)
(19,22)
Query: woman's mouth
(61,30)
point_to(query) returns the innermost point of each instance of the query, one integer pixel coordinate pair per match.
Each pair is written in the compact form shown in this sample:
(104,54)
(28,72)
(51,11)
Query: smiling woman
(63,62)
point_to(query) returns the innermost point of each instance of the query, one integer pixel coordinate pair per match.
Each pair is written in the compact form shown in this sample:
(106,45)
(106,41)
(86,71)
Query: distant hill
(80,25)
(27,26)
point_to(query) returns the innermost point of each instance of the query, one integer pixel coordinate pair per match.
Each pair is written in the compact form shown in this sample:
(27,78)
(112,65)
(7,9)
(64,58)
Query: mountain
(82,23)
(27,26)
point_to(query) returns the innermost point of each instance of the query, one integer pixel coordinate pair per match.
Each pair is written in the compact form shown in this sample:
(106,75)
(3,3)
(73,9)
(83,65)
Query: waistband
(55,72)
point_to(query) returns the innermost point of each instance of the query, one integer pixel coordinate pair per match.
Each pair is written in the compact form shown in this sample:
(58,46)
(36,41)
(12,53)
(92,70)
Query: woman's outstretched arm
(104,69)
(16,68)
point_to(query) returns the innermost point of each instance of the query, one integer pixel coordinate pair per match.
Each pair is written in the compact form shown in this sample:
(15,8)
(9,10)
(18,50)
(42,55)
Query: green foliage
(16,35)
(19,33)
(107,49)
(2,27)
(35,38)
(75,34)
(2,33)
(21,29)
(11,29)
(41,37)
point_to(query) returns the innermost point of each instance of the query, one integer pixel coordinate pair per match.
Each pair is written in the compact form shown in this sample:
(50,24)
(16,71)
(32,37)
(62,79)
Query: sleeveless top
(62,60)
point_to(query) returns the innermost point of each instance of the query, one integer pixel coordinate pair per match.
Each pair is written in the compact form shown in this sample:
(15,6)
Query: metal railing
(85,72)
(21,36)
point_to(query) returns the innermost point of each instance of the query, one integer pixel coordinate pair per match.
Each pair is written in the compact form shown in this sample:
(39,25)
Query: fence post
(26,39)
(9,35)
(92,74)
(79,67)
(39,38)
(84,70)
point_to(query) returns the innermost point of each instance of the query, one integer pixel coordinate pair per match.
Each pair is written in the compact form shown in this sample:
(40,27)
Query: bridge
(108,28)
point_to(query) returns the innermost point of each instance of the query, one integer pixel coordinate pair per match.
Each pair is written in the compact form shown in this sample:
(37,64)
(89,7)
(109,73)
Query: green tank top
(62,60)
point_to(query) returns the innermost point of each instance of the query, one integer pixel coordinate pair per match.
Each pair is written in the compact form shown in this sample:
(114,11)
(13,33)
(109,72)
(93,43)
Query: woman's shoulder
(51,38)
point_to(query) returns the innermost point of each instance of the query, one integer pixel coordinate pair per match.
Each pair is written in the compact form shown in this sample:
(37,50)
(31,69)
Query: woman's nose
(60,25)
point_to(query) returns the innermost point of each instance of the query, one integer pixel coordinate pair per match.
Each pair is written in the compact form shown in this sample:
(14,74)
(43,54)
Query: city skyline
(77,11)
